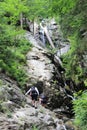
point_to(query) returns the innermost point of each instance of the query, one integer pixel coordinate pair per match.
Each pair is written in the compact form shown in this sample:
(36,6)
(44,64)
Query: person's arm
(28,91)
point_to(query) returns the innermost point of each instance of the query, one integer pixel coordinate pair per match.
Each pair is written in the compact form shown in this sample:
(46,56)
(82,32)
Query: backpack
(43,97)
(33,91)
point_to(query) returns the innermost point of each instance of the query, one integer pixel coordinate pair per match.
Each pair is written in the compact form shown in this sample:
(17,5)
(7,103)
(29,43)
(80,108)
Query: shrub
(80,109)
(13,59)
(34,128)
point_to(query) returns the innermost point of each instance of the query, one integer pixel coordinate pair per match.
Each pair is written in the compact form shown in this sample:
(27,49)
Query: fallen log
(47,35)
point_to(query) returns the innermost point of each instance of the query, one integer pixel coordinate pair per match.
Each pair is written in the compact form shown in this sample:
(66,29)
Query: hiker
(34,93)
(43,100)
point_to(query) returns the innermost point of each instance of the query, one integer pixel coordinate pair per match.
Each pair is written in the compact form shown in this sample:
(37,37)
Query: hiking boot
(35,107)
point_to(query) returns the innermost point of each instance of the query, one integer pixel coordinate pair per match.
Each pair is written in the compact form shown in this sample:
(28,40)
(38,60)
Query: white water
(43,38)
(68,95)
(63,50)
(71,97)
(60,126)
(64,127)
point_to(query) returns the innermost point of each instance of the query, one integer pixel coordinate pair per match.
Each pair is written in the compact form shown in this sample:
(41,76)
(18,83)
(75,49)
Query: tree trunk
(21,20)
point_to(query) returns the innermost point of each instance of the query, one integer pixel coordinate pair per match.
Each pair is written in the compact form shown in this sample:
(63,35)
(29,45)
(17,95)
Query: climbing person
(34,93)
(43,100)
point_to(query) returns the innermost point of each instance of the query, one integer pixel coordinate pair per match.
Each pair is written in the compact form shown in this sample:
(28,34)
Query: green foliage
(72,22)
(13,59)
(34,128)
(62,6)
(73,61)
(52,51)
(12,54)
(39,8)
(75,19)
(1,109)
(80,109)
(5,110)
(1,82)
(24,46)
(12,10)
(9,114)
(13,47)
(85,82)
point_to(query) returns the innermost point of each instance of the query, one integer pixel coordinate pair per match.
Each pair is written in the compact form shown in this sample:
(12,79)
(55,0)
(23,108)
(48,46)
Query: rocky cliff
(16,112)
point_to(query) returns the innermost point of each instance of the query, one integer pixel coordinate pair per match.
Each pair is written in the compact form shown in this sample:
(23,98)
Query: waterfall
(60,126)
(63,50)
(71,97)
(68,95)
(42,37)
(64,127)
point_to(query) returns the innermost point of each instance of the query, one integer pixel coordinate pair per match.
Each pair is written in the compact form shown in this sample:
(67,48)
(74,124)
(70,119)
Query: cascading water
(64,127)
(42,37)
(60,125)
(71,97)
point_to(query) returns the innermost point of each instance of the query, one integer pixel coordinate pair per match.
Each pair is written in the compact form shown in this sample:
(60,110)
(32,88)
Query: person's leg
(43,103)
(36,101)
(33,101)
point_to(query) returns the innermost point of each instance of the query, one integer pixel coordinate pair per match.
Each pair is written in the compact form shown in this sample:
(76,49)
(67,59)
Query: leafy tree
(73,20)
(13,9)
(62,7)
(38,8)
(12,48)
